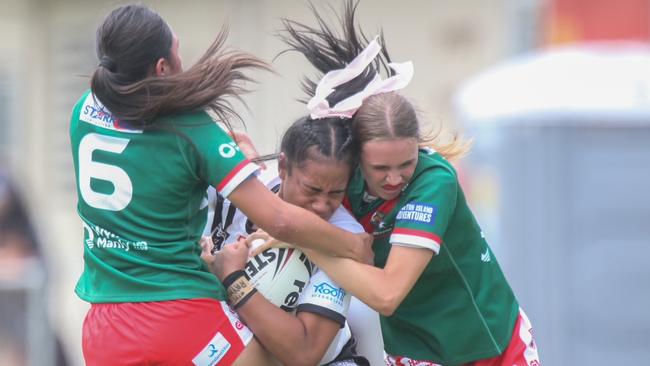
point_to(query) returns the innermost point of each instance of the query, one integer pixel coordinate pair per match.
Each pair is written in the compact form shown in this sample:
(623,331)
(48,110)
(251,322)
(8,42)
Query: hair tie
(107,63)
(319,107)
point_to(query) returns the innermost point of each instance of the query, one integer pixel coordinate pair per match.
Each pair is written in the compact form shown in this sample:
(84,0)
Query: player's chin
(388,195)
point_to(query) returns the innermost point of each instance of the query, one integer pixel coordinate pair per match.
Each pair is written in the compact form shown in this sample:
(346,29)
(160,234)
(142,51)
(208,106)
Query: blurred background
(554,93)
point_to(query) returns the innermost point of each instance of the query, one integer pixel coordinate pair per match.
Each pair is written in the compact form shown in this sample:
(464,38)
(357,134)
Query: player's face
(388,165)
(315,185)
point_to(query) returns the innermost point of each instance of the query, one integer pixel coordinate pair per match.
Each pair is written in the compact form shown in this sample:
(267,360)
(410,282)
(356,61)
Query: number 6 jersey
(142,201)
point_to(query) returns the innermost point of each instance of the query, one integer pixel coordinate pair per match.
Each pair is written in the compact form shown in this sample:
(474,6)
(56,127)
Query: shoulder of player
(81,100)
(344,220)
(76,111)
(197,127)
(79,106)
(433,173)
(198,118)
(432,165)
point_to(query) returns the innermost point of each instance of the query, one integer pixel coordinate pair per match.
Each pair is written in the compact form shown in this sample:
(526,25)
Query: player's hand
(230,258)
(206,249)
(260,241)
(365,253)
(246,146)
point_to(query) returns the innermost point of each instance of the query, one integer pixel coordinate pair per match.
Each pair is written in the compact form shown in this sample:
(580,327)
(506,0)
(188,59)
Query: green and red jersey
(461,308)
(142,200)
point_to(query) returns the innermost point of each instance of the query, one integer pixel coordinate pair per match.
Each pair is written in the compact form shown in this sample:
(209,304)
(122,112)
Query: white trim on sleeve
(240,174)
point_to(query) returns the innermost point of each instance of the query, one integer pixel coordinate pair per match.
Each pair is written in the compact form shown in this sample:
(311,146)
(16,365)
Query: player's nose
(322,208)
(394,178)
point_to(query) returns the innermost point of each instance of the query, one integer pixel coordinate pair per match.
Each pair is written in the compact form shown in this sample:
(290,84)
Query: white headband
(319,106)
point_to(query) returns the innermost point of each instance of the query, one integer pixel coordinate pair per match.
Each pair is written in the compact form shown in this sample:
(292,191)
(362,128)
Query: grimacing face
(388,165)
(317,185)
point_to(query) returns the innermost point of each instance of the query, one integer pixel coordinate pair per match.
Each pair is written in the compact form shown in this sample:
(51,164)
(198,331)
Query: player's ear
(162,67)
(283,166)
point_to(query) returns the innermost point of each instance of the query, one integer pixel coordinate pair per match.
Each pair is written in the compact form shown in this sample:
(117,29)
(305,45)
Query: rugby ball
(280,274)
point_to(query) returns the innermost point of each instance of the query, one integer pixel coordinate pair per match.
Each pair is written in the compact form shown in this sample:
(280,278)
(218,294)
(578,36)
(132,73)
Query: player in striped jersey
(315,164)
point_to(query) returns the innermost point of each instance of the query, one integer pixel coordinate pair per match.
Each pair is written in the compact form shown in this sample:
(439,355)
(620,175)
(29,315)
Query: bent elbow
(386,310)
(387,305)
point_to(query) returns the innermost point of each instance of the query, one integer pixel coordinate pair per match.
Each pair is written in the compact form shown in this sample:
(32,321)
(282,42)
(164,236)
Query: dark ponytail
(327,51)
(131,40)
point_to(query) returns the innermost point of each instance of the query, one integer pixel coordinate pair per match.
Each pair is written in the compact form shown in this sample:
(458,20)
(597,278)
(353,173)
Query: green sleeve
(220,163)
(427,209)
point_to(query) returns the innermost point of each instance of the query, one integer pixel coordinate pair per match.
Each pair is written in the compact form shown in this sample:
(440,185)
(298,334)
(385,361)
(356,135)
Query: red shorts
(521,350)
(178,332)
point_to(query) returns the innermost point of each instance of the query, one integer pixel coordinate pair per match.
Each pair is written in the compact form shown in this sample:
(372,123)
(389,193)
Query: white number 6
(88,169)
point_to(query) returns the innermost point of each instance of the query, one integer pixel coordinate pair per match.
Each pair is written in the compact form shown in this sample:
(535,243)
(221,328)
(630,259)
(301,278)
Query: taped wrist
(239,289)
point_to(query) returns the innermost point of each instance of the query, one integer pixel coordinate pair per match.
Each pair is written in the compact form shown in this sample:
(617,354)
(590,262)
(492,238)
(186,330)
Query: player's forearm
(369,284)
(383,289)
(293,224)
(311,232)
(281,333)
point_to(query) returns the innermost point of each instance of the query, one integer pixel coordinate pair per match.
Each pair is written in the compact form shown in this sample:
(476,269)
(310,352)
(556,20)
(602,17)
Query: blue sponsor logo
(99,114)
(213,352)
(326,289)
(212,349)
(415,212)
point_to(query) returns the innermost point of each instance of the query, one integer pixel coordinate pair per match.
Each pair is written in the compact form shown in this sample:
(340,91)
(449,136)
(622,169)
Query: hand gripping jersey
(461,308)
(321,296)
(142,200)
